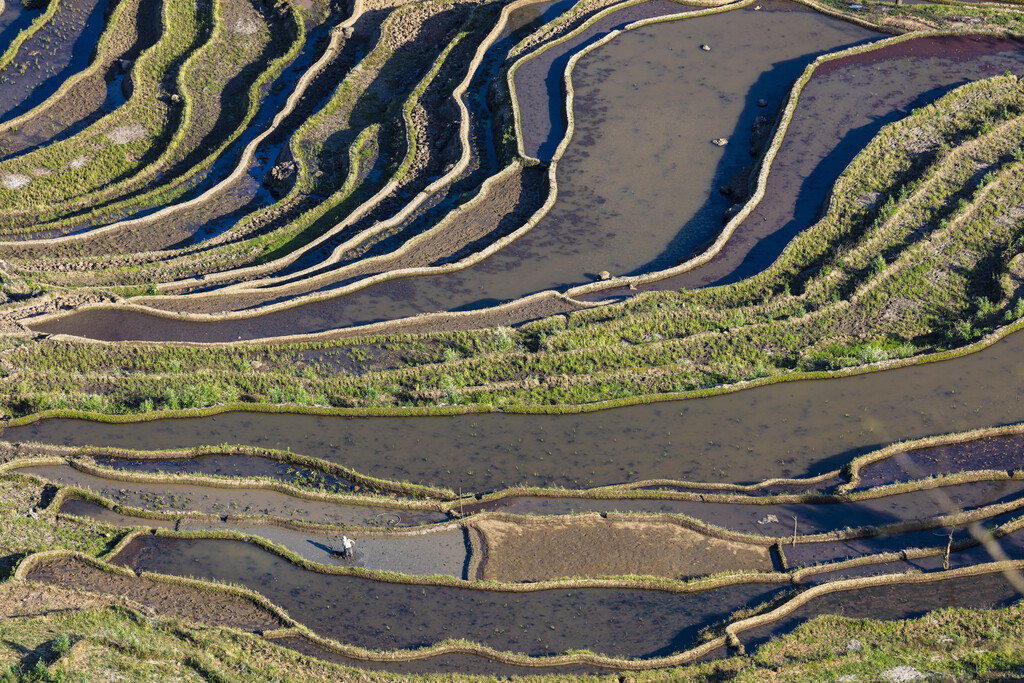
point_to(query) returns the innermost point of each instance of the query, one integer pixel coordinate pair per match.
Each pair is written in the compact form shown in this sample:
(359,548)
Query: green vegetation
(870,282)
(920,254)
(91,159)
(21,534)
(955,644)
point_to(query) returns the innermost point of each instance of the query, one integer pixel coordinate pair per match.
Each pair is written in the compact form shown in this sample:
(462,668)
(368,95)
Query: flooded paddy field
(390,616)
(455,663)
(60,48)
(106,85)
(172,498)
(440,552)
(812,517)
(996,453)
(991,591)
(330,165)
(792,429)
(237,466)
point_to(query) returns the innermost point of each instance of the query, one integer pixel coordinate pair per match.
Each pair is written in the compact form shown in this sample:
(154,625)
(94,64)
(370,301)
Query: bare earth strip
(526,549)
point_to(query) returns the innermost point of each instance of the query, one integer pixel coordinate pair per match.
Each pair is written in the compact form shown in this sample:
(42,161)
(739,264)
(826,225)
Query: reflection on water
(788,429)
(389,616)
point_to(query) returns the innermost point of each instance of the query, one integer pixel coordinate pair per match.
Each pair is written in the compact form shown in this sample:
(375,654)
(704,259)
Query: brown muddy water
(173,498)
(165,599)
(842,107)
(237,466)
(893,602)
(389,616)
(84,508)
(790,429)
(777,520)
(625,201)
(454,663)
(61,48)
(810,554)
(443,552)
(1000,453)
(539,80)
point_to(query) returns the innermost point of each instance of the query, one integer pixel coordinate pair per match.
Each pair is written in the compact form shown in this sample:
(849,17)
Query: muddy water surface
(625,199)
(894,602)
(44,61)
(236,466)
(840,110)
(777,520)
(208,499)
(788,429)
(389,616)
(443,553)
(539,81)
(457,663)
(83,508)
(1000,453)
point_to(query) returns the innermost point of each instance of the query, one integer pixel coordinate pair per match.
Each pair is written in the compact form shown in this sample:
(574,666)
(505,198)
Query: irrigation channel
(369,162)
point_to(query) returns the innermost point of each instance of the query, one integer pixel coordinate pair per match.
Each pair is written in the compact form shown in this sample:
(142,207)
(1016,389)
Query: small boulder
(348,31)
(720,142)
(762,102)
(604,275)
(705,47)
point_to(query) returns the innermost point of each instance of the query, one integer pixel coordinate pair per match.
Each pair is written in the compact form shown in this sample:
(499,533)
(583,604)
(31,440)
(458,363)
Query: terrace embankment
(536,549)
(555,247)
(14,19)
(996,453)
(438,551)
(389,616)
(133,28)
(247,46)
(781,430)
(763,516)
(462,664)
(506,203)
(171,498)
(843,105)
(991,591)
(55,50)
(538,79)
(161,597)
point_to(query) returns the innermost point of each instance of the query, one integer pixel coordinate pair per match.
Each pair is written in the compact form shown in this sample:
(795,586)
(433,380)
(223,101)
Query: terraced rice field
(637,340)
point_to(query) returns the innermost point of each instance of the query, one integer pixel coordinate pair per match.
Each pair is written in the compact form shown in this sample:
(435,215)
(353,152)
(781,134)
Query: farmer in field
(347,547)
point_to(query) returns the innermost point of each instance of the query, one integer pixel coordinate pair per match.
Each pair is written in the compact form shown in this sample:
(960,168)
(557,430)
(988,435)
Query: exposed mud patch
(528,549)
(124,135)
(161,598)
(14,181)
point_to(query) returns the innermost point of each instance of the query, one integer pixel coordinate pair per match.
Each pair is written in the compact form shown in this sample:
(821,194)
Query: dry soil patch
(527,549)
